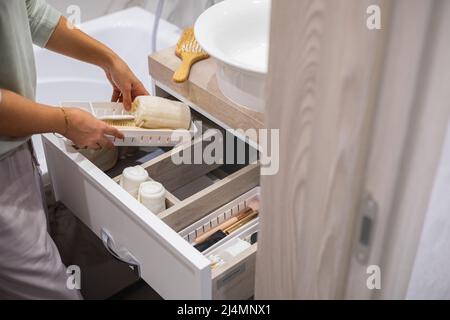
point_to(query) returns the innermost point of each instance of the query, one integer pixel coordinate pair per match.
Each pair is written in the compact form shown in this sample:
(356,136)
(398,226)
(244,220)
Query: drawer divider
(163,168)
(195,207)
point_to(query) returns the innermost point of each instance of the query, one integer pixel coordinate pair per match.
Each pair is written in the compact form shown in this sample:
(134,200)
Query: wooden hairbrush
(190,52)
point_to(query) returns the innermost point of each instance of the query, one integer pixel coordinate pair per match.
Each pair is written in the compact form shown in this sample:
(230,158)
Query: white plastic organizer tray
(218,216)
(134,136)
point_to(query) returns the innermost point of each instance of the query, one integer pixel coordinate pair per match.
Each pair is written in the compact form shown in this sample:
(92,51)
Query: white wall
(431,273)
(93,9)
(182,13)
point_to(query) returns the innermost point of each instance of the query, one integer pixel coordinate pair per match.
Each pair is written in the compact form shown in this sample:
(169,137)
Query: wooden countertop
(202,90)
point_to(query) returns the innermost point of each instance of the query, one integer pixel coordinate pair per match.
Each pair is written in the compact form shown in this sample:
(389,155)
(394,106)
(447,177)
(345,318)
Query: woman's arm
(20,117)
(74,43)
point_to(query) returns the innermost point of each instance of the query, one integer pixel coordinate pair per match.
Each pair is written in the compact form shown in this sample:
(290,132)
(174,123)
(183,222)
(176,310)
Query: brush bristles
(192,46)
(188,43)
(120,123)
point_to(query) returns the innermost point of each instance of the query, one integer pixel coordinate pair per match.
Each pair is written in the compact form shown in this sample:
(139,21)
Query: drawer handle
(124,255)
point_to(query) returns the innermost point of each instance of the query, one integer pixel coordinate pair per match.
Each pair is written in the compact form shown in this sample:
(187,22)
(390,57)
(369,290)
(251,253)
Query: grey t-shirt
(22,22)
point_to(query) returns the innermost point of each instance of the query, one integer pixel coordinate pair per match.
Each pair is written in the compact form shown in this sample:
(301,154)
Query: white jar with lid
(152,195)
(132,178)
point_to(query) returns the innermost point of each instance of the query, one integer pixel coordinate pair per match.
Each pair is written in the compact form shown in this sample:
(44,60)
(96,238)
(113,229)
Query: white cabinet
(152,243)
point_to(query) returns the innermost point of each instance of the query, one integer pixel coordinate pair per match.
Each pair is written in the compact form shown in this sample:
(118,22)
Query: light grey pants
(30,264)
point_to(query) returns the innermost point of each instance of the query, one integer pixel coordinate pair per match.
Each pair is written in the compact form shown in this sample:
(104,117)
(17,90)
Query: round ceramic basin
(236,34)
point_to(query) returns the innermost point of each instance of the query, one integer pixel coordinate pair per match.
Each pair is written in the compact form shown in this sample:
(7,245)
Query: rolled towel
(159,113)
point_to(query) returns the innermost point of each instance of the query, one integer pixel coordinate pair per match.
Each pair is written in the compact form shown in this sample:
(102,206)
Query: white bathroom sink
(236,33)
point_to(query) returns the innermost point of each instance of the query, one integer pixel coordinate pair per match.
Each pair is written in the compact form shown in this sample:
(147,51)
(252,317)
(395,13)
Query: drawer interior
(193,175)
(222,214)
(196,187)
(232,258)
(201,193)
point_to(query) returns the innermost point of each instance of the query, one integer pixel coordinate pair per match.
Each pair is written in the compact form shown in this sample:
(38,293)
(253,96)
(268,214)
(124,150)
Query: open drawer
(152,243)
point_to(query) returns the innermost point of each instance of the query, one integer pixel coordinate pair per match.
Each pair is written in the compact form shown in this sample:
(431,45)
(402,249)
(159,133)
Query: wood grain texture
(173,176)
(323,81)
(201,89)
(171,200)
(402,74)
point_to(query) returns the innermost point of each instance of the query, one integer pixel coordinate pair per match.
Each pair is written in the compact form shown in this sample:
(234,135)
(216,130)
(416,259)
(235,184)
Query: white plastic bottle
(152,195)
(132,178)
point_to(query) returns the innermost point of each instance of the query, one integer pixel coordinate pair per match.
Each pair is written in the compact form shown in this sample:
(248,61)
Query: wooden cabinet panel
(360,112)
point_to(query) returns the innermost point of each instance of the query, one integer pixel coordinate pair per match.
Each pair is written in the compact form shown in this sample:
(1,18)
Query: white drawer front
(167,263)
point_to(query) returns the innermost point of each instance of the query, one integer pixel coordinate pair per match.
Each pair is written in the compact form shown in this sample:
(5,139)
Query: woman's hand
(85,131)
(88,132)
(126,86)
(75,43)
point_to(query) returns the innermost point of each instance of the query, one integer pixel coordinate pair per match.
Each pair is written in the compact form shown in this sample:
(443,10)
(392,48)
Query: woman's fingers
(127,99)
(115,95)
(87,132)
(102,143)
(112,131)
(91,146)
(105,143)
(139,90)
